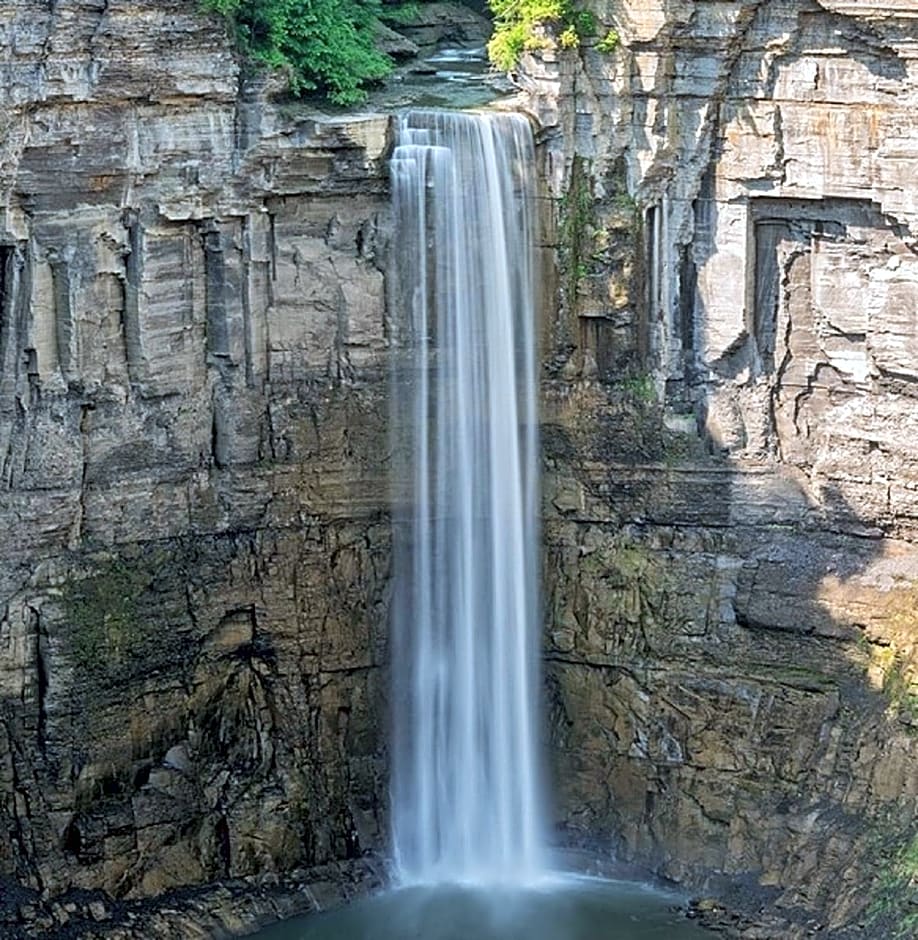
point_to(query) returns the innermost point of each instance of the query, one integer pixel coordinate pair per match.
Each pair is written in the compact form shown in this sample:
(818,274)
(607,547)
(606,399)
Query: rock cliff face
(730,420)
(193,578)
(193,571)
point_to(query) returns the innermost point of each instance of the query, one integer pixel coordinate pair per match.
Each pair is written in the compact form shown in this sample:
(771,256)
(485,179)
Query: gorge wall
(193,571)
(730,424)
(193,454)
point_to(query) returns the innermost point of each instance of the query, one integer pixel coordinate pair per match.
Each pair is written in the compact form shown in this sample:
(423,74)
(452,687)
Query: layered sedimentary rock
(730,423)
(193,574)
(193,569)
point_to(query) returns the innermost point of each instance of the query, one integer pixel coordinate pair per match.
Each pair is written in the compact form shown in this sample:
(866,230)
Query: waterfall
(465,793)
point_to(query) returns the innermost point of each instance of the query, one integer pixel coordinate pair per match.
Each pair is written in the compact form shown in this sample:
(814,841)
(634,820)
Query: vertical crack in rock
(133,279)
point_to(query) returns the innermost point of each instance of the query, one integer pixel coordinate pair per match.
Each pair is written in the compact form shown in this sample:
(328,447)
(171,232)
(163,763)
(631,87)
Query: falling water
(465,775)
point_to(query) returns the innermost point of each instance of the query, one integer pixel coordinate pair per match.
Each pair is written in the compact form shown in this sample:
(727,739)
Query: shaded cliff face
(193,571)
(730,420)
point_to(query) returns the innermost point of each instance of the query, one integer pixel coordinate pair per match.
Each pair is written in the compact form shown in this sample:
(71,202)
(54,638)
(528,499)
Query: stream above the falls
(568,907)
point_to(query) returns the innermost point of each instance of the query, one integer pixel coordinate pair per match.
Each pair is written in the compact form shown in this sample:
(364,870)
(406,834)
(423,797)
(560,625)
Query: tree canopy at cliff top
(322,45)
(329,46)
(519,26)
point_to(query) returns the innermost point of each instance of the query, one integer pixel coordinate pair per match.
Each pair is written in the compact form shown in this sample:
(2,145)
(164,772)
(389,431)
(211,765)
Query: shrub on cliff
(526,25)
(323,45)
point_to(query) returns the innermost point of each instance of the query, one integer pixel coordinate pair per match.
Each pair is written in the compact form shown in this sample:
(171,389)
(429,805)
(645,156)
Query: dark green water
(569,909)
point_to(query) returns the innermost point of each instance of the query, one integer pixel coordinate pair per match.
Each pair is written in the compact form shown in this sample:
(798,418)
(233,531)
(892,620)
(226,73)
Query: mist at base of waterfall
(565,907)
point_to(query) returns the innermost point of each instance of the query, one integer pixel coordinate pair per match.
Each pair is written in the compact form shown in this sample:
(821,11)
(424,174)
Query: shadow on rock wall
(731,576)
(728,664)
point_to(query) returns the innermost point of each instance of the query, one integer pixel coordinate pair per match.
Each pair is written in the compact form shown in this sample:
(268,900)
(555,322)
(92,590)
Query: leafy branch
(323,45)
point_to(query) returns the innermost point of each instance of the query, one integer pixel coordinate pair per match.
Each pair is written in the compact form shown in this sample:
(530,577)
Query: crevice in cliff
(10,287)
(42,677)
(246,288)
(65,333)
(215,293)
(130,316)
(94,39)
(85,427)
(24,802)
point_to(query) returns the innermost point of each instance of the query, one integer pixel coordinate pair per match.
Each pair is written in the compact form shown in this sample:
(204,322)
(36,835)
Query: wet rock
(98,911)
(449,23)
(229,908)
(394,43)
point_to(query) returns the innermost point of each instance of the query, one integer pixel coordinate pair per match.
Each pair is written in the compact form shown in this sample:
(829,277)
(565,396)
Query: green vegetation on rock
(526,25)
(894,908)
(323,45)
(105,624)
(641,386)
(329,46)
(577,222)
(609,43)
(899,687)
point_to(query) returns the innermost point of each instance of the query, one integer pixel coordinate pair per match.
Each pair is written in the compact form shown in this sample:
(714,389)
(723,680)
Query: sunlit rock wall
(193,564)
(730,427)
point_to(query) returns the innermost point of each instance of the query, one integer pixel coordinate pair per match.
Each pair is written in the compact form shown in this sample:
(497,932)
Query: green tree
(322,45)
(526,25)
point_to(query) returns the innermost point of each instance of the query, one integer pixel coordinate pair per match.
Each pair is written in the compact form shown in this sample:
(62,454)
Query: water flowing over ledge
(466,796)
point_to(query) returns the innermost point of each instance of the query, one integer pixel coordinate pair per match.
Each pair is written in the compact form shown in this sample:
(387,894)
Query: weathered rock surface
(193,573)
(193,578)
(732,567)
(450,22)
(232,908)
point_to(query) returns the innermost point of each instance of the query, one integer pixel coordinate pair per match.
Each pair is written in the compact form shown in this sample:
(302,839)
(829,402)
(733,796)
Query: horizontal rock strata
(193,573)
(732,565)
